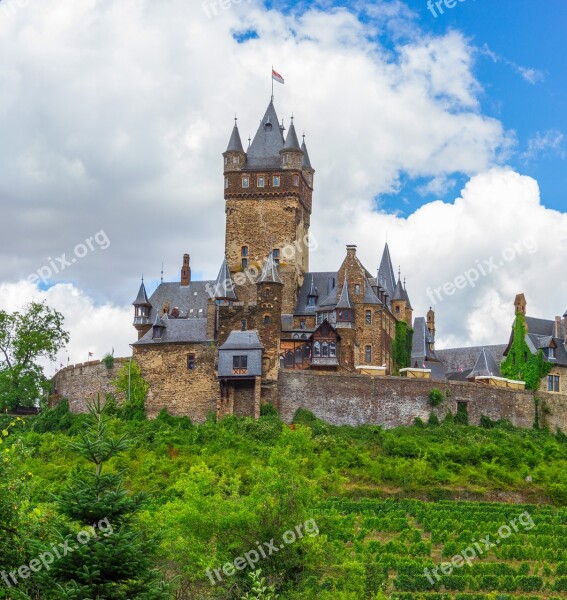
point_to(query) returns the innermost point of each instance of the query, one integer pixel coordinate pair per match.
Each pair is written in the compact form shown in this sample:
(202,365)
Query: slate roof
(306,160)
(264,151)
(344,300)
(541,333)
(485,365)
(421,340)
(406,297)
(321,282)
(459,362)
(386,278)
(177,331)
(191,300)
(224,286)
(370,296)
(235,143)
(242,340)
(270,271)
(399,291)
(142,297)
(291,141)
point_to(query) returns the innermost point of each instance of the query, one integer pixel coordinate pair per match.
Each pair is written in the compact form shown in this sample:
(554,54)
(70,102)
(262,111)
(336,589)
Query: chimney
(185,271)
(557,333)
(564,336)
(351,250)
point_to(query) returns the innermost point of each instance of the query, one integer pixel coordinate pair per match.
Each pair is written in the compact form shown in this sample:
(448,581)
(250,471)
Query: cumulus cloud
(114,117)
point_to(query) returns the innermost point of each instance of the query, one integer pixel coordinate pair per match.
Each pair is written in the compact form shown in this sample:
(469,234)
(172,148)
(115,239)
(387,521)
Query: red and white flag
(277,77)
(90,354)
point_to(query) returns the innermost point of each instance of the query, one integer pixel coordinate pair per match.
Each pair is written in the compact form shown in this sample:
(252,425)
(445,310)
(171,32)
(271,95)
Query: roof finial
(162,271)
(235,120)
(249,140)
(304,137)
(142,278)
(404,283)
(399,272)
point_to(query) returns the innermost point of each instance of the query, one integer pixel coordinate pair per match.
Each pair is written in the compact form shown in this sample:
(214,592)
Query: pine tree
(109,559)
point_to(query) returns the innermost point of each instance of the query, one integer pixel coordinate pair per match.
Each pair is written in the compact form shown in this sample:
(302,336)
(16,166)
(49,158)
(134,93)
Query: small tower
(344,310)
(399,303)
(185,271)
(291,153)
(234,156)
(142,310)
(431,322)
(269,291)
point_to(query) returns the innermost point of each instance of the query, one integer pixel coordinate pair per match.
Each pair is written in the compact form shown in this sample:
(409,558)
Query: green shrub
(436,397)
(267,410)
(108,360)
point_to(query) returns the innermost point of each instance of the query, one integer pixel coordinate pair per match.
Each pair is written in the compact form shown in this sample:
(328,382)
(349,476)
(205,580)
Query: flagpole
(272,77)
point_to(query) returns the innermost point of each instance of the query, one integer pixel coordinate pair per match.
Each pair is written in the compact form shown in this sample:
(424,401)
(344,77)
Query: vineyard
(524,555)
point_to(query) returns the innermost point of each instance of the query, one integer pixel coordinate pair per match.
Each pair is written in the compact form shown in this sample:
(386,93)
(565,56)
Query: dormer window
(245,182)
(311,300)
(551,353)
(261,182)
(276,181)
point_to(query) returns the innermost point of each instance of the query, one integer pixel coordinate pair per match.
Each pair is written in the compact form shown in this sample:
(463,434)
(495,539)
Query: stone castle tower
(268,199)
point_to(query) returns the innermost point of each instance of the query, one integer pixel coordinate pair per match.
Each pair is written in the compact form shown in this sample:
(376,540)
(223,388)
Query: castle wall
(342,399)
(81,383)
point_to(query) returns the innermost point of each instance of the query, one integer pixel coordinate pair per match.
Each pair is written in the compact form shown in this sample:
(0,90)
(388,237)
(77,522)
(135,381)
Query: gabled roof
(264,151)
(270,271)
(485,366)
(344,300)
(540,326)
(142,297)
(306,160)
(291,141)
(386,278)
(224,286)
(321,282)
(242,340)
(235,143)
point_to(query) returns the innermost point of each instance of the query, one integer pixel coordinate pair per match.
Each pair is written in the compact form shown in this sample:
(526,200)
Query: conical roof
(344,299)
(264,151)
(235,143)
(485,365)
(224,286)
(399,293)
(270,271)
(406,297)
(386,273)
(291,141)
(313,290)
(142,297)
(306,160)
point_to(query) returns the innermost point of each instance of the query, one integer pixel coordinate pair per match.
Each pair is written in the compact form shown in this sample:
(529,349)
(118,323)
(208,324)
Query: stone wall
(81,383)
(394,401)
(553,411)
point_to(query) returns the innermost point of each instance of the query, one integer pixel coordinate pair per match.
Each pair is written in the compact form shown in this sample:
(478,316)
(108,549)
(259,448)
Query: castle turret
(308,170)
(520,304)
(142,310)
(431,321)
(269,290)
(185,271)
(234,156)
(291,153)
(399,303)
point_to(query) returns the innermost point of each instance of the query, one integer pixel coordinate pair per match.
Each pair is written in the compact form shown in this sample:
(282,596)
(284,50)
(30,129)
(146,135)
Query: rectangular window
(245,182)
(190,362)
(244,250)
(239,362)
(225,183)
(235,160)
(260,182)
(276,181)
(357,289)
(244,263)
(552,353)
(296,180)
(369,317)
(285,159)
(243,325)
(302,324)
(553,383)
(368,354)
(276,256)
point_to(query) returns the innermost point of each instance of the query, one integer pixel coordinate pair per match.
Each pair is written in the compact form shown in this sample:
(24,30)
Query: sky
(440,133)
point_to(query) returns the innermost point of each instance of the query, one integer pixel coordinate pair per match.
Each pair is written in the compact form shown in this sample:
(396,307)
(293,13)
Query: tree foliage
(134,388)
(402,346)
(26,338)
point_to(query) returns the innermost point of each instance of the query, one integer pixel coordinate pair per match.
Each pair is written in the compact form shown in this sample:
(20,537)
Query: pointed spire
(485,365)
(224,286)
(142,297)
(306,162)
(344,299)
(291,141)
(386,273)
(235,144)
(406,296)
(264,151)
(270,271)
(399,291)
(313,290)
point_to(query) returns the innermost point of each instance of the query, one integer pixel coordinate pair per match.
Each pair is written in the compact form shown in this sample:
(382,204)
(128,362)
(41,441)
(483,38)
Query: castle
(227,340)
(269,330)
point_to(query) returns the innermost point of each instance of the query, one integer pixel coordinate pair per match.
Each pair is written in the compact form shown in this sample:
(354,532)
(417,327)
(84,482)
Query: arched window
(288,361)
(333,349)
(317,349)
(298,356)
(307,351)
(324,349)
(267,319)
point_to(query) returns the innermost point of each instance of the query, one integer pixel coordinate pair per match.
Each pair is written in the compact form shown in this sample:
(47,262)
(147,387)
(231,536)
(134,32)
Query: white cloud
(114,117)
(544,143)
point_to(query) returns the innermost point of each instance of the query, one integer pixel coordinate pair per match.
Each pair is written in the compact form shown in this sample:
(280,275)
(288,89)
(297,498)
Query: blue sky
(510,36)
